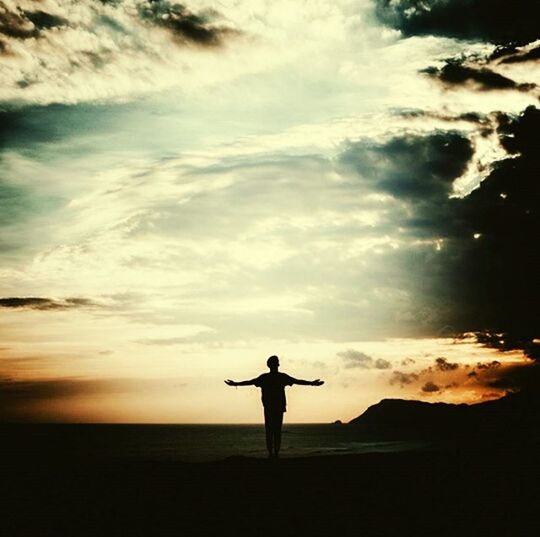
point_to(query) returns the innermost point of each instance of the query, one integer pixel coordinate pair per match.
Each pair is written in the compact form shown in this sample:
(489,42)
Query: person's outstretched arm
(230,382)
(316,382)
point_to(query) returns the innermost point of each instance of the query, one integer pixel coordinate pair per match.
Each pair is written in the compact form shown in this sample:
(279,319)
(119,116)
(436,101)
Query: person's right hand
(230,382)
(317,382)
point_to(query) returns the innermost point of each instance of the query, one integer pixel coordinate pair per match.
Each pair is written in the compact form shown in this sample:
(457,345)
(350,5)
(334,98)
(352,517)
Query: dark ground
(482,491)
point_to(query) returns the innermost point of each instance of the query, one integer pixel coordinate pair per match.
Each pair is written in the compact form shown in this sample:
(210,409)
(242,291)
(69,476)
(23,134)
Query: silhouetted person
(273,399)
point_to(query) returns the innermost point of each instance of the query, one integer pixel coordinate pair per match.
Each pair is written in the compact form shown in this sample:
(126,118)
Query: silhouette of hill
(513,414)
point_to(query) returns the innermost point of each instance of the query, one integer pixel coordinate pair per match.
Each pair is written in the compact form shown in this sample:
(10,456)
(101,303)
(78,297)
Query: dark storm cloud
(498,273)
(509,342)
(499,21)
(412,166)
(485,275)
(184,24)
(39,303)
(454,73)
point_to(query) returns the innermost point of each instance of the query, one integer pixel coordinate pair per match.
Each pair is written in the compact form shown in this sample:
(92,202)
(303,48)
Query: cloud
(489,365)
(442,364)
(455,73)
(404,237)
(37,399)
(430,387)
(379,224)
(22,24)
(401,378)
(512,54)
(411,166)
(482,272)
(357,359)
(39,303)
(12,391)
(186,25)
(472,117)
(88,50)
(381,363)
(506,341)
(497,270)
(183,23)
(26,400)
(492,20)
(375,225)
(450,378)
(197,223)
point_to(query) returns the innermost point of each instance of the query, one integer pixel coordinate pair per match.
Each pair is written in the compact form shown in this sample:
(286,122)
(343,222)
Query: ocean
(186,443)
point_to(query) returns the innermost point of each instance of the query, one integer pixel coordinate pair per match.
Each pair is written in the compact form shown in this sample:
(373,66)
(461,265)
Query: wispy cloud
(40,303)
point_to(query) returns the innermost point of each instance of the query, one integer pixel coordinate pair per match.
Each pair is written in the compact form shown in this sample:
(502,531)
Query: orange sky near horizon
(183,383)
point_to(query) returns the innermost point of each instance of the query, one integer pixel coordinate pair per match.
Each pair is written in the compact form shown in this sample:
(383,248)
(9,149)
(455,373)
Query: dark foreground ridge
(450,491)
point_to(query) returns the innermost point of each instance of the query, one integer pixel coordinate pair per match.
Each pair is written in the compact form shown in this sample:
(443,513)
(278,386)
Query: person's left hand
(317,382)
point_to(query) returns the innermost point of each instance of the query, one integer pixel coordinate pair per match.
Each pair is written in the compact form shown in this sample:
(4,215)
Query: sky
(187,189)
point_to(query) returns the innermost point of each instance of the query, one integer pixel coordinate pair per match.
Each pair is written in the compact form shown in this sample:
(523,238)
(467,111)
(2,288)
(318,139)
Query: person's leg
(268,431)
(278,422)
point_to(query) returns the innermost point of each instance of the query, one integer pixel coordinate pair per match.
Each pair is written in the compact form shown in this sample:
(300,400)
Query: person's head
(273,363)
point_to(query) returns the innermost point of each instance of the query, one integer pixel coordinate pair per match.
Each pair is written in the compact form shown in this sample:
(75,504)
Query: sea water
(188,443)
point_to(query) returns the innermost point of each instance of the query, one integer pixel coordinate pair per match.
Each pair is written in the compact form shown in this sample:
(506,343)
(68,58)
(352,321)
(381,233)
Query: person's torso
(273,390)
